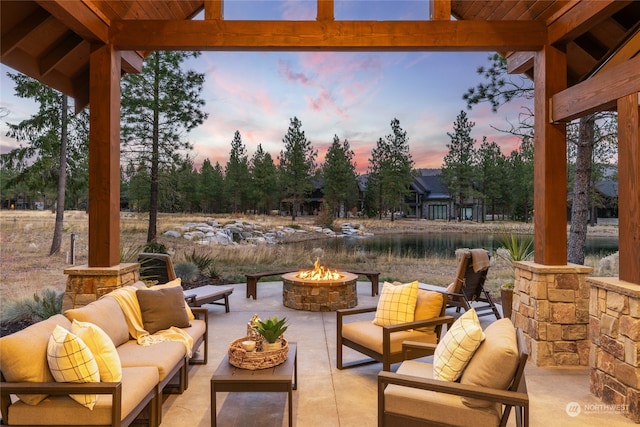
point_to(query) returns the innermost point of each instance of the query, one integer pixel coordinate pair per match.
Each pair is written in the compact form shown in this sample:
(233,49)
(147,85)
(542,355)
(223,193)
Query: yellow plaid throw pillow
(397,304)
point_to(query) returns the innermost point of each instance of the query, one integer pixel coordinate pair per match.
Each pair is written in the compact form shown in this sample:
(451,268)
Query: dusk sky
(352,95)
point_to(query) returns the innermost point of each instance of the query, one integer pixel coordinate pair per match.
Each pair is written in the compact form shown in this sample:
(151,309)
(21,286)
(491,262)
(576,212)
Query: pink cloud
(286,71)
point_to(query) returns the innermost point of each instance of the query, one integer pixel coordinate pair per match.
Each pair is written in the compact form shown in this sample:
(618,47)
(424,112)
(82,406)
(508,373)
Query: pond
(437,244)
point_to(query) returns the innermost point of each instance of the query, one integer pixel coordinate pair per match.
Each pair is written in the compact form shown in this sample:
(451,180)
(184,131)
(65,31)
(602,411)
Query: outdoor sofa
(29,394)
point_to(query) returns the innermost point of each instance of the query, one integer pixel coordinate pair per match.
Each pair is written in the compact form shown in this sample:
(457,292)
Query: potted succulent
(271,330)
(506,294)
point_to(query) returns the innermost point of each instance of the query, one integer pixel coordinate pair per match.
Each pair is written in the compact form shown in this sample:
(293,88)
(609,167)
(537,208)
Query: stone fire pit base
(326,295)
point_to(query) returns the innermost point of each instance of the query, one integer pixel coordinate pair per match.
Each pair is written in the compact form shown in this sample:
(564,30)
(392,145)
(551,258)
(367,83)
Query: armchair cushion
(102,348)
(162,309)
(369,335)
(457,347)
(71,361)
(397,304)
(433,406)
(494,363)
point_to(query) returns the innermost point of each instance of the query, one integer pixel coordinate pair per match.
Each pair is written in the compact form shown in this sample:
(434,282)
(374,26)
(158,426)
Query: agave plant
(272,328)
(517,247)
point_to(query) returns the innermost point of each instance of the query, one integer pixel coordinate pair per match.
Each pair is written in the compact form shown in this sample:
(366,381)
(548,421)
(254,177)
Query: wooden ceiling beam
(79,18)
(582,17)
(213,9)
(131,61)
(54,55)
(325,10)
(211,35)
(12,39)
(519,62)
(601,92)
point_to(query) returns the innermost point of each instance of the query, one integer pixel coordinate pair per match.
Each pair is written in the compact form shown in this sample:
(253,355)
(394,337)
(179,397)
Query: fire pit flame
(318,273)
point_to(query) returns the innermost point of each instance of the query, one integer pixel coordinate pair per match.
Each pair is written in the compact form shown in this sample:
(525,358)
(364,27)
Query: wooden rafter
(329,35)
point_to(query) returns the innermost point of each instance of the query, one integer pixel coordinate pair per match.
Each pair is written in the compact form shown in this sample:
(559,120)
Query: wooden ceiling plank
(519,9)
(12,39)
(625,52)
(534,11)
(600,92)
(58,52)
(581,18)
(502,10)
(98,10)
(79,18)
(330,36)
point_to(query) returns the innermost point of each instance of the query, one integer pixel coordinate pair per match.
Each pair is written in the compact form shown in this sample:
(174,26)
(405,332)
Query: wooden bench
(208,294)
(252,280)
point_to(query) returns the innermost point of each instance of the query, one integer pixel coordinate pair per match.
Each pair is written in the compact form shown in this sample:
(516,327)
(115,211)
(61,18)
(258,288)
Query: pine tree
(339,173)
(457,169)
(56,146)
(297,165)
(158,106)
(264,181)
(237,174)
(211,187)
(491,174)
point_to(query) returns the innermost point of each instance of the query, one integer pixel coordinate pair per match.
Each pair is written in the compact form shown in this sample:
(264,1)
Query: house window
(438,212)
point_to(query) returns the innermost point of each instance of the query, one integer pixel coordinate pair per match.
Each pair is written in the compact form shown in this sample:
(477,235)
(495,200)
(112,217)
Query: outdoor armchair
(384,343)
(467,289)
(413,397)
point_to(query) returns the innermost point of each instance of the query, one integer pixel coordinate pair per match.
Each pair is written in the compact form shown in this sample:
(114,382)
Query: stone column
(614,331)
(86,284)
(551,306)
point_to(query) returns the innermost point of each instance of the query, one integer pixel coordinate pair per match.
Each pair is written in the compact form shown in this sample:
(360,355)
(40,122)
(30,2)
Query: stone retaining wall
(614,331)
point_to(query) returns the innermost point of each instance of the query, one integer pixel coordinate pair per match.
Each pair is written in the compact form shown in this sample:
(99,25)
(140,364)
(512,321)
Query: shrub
(324,218)
(187,271)
(203,261)
(37,308)
(155,248)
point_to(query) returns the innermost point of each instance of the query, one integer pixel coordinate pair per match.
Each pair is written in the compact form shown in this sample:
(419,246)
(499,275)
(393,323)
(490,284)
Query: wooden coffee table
(281,378)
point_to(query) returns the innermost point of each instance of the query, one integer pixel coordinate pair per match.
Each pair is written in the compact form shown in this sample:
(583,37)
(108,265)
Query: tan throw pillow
(71,361)
(176,283)
(428,306)
(102,348)
(456,348)
(162,309)
(494,363)
(397,304)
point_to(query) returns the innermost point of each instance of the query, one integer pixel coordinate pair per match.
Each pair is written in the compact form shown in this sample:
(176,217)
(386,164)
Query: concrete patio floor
(330,397)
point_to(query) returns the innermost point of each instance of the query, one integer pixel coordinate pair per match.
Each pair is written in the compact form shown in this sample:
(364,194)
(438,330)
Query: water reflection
(438,244)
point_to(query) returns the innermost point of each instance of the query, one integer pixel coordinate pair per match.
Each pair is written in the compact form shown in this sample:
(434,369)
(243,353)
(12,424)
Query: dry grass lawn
(26,267)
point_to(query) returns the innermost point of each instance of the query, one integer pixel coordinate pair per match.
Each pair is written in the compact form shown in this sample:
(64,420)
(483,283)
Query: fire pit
(319,289)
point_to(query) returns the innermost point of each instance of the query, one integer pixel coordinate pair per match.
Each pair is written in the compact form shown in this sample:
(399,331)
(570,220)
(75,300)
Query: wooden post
(440,10)
(104,157)
(550,165)
(629,187)
(325,10)
(213,9)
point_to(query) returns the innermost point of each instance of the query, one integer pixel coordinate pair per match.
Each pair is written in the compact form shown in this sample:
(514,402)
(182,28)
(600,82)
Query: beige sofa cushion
(107,315)
(369,335)
(30,344)
(457,347)
(435,407)
(495,362)
(164,356)
(61,410)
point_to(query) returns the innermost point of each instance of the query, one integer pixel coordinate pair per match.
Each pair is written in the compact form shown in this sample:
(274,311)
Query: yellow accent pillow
(172,284)
(71,361)
(397,304)
(428,306)
(457,347)
(102,348)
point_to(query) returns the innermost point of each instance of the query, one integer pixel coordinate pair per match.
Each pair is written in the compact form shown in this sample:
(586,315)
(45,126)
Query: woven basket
(252,360)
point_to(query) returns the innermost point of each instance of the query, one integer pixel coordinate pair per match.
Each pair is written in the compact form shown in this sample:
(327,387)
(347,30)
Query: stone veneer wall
(86,284)
(551,306)
(614,330)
